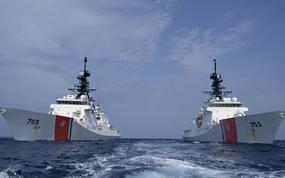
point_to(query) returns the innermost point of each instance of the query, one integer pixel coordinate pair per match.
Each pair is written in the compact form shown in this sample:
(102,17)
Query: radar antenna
(83,87)
(217,87)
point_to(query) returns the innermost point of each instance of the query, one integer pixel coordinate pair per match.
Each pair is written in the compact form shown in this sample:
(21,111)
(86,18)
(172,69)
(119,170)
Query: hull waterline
(224,119)
(259,128)
(31,126)
(73,117)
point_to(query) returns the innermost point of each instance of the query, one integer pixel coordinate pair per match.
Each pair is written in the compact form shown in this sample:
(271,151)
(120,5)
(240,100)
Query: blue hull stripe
(222,128)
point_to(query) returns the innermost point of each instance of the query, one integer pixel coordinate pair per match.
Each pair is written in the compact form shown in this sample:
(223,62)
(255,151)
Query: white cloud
(100,29)
(38,38)
(195,48)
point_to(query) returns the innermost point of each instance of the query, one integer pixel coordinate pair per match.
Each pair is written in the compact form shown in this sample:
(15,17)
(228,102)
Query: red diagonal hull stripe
(230,130)
(61,128)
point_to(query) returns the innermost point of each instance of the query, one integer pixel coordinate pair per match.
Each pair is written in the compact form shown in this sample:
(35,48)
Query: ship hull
(30,126)
(258,128)
(280,135)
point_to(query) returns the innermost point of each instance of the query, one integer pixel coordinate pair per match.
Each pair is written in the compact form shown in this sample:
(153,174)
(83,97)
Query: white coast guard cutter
(73,117)
(223,119)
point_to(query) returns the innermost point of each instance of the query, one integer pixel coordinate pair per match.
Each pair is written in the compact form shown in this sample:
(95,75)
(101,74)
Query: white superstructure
(215,110)
(223,119)
(83,111)
(73,117)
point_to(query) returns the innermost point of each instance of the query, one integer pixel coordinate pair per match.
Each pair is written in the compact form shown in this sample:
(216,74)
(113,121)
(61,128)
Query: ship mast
(217,87)
(83,87)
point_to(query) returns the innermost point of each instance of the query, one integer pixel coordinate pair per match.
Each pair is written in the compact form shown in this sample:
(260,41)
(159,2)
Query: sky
(149,60)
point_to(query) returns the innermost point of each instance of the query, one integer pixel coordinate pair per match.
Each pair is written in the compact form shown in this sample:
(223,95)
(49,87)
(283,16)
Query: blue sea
(137,158)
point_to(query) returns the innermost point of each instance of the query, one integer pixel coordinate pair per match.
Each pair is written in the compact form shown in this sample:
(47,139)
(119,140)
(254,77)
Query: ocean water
(137,158)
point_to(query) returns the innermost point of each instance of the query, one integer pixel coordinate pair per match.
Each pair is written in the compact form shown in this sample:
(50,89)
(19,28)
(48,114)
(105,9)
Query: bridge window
(225,105)
(72,102)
